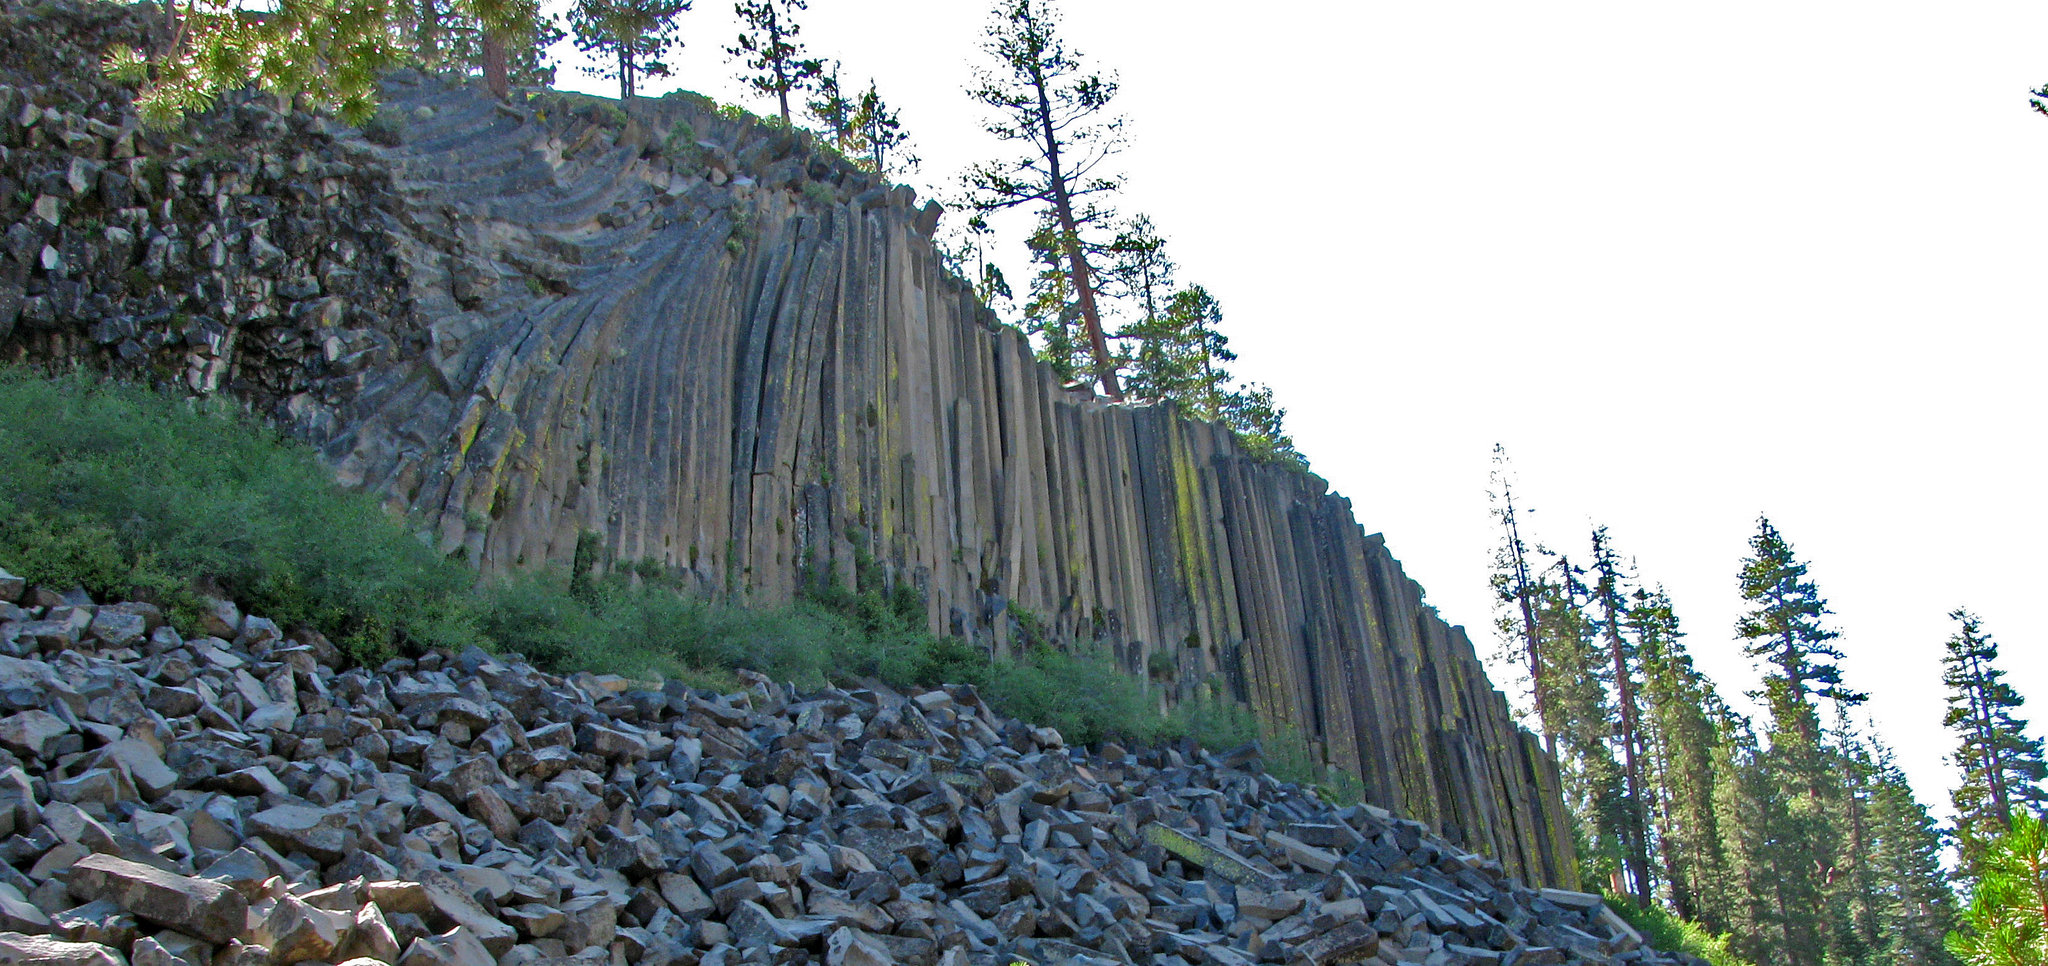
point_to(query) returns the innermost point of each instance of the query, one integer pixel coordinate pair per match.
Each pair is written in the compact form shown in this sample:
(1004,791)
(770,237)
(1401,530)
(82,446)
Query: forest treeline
(1793,831)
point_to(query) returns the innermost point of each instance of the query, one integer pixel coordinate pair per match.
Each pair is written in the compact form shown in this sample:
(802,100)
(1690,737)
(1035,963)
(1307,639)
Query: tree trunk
(1070,241)
(428,34)
(1639,837)
(775,59)
(625,75)
(496,75)
(1523,593)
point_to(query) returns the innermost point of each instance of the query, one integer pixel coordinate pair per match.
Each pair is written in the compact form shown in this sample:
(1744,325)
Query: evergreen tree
(1752,901)
(861,127)
(882,134)
(1913,906)
(1806,841)
(1050,310)
(1632,820)
(459,40)
(769,49)
(1581,715)
(636,35)
(1679,712)
(1783,628)
(1260,426)
(1514,587)
(1047,103)
(1140,267)
(331,52)
(2001,766)
(833,111)
(2006,921)
(1179,355)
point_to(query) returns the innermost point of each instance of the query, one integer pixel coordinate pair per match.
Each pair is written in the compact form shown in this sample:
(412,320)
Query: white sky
(1688,262)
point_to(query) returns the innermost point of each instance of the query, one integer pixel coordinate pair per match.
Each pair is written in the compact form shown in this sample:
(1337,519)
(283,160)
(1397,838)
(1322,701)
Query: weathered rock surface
(724,352)
(853,826)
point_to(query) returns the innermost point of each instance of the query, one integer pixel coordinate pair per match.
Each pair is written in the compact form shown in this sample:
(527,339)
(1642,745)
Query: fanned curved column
(744,361)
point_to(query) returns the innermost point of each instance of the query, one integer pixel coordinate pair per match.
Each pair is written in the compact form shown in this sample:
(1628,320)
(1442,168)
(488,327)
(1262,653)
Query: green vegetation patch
(134,494)
(1666,931)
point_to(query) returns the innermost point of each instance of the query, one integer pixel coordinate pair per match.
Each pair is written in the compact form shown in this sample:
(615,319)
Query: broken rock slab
(201,907)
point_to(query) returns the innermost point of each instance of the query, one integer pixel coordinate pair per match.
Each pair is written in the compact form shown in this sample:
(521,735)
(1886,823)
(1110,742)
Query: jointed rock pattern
(234,799)
(558,333)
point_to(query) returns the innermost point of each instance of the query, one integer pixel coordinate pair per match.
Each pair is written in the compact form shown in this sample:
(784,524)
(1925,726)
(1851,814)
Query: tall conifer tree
(1633,824)
(771,53)
(2002,767)
(1515,587)
(1679,711)
(1045,102)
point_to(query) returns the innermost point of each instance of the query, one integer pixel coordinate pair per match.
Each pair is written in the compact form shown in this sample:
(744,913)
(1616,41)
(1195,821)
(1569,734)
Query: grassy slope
(132,494)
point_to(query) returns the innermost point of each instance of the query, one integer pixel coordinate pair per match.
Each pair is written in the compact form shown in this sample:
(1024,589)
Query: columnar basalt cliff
(578,336)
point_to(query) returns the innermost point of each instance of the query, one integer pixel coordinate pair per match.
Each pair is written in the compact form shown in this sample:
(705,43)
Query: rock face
(665,338)
(852,826)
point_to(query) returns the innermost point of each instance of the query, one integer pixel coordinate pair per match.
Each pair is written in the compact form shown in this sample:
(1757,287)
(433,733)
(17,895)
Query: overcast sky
(1689,262)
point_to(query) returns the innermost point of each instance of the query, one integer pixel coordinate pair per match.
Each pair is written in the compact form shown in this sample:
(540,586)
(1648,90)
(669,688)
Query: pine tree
(1046,102)
(881,132)
(1679,712)
(2006,921)
(1050,310)
(1783,628)
(1141,268)
(769,49)
(1751,899)
(1513,586)
(460,40)
(1806,842)
(2002,767)
(1582,717)
(635,34)
(1260,426)
(862,127)
(1632,822)
(833,111)
(1180,354)
(333,53)
(1913,906)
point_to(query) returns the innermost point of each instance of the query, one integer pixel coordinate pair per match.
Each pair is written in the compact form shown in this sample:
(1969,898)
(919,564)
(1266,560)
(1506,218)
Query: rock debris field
(238,799)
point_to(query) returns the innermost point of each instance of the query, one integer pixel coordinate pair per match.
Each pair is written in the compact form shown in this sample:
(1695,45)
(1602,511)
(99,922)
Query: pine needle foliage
(2006,921)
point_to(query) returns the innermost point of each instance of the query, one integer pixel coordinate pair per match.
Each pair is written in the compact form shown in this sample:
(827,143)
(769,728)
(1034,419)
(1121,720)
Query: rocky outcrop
(239,799)
(667,338)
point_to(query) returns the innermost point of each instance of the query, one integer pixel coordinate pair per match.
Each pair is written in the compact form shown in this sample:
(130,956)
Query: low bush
(131,493)
(1665,930)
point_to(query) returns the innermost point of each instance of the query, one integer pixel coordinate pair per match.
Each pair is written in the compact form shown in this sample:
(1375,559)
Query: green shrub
(132,493)
(1664,930)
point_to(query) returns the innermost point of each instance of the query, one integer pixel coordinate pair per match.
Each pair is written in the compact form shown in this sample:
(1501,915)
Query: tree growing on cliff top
(862,127)
(635,35)
(1044,101)
(1514,586)
(771,53)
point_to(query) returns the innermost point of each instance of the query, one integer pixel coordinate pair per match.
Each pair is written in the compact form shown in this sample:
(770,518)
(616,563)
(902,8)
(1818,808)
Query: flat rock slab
(1215,858)
(44,951)
(201,907)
